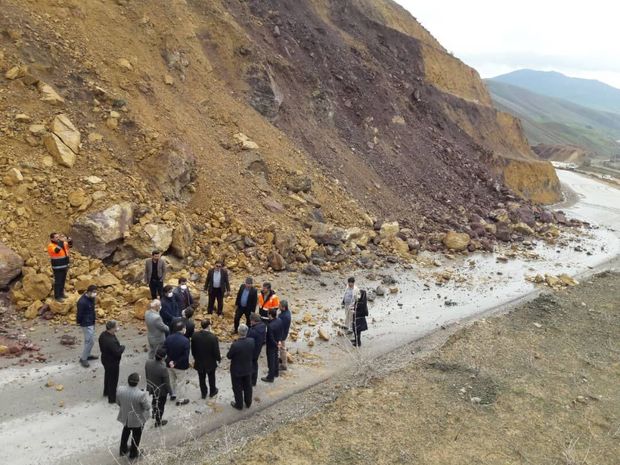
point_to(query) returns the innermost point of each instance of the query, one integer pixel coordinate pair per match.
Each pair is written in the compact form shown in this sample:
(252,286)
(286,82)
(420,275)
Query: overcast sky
(580,38)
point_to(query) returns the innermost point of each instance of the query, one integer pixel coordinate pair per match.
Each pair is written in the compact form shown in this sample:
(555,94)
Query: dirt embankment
(538,385)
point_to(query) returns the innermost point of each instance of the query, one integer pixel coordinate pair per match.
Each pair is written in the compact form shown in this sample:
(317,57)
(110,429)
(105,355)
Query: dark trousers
(239,313)
(242,389)
(157,289)
(357,336)
(60,276)
(158,403)
(272,361)
(202,375)
(254,372)
(110,381)
(216,293)
(136,435)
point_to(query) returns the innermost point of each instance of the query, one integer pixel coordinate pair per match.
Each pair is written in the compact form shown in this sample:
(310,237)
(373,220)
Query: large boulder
(172,170)
(327,234)
(456,241)
(389,229)
(98,234)
(36,286)
(142,241)
(286,243)
(10,265)
(66,306)
(503,231)
(160,236)
(182,239)
(265,96)
(276,261)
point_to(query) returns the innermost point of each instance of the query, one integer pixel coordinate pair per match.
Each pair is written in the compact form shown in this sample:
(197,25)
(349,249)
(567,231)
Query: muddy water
(77,425)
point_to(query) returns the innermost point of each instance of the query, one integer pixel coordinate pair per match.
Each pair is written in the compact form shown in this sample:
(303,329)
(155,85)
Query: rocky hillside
(284,134)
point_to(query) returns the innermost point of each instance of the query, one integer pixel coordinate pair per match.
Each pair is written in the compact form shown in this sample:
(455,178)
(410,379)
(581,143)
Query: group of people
(172,337)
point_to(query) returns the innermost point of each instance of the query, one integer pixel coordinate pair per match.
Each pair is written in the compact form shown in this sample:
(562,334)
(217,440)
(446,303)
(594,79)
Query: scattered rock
(380,291)
(327,234)
(182,239)
(323,334)
(523,228)
(33,310)
(68,340)
(276,261)
(173,170)
(389,229)
(245,142)
(48,94)
(66,132)
(12,177)
(311,270)
(299,184)
(36,286)
(456,241)
(273,205)
(61,153)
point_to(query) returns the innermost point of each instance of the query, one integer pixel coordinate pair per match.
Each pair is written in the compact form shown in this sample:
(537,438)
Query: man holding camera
(58,251)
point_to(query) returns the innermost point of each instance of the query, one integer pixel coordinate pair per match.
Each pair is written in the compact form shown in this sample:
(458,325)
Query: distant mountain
(585,92)
(555,121)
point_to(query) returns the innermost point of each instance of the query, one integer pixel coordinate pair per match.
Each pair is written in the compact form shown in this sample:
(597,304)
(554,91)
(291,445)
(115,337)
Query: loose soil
(537,385)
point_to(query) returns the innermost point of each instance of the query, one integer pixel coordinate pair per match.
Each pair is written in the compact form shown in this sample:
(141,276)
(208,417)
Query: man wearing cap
(245,304)
(158,384)
(258,332)
(240,355)
(111,352)
(217,286)
(133,414)
(85,318)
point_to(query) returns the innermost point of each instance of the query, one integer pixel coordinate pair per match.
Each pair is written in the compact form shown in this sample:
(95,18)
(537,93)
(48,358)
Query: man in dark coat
(158,384)
(359,319)
(186,318)
(285,317)
(245,304)
(183,296)
(85,317)
(217,286)
(274,338)
(206,352)
(258,332)
(169,307)
(111,352)
(240,354)
(177,348)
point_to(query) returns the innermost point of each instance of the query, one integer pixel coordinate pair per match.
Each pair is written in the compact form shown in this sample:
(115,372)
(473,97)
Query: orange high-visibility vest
(59,256)
(264,306)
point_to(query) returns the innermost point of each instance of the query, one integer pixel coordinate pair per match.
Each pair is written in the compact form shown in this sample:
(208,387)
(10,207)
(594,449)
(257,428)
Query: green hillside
(585,92)
(548,120)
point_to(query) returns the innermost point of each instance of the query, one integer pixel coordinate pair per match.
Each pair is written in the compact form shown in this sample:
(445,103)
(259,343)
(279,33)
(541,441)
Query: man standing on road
(349,300)
(258,332)
(206,352)
(111,352)
(217,286)
(285,317)
(155,327)
(85,317)
(158,384)
(177,347)
(245,304)
(58,251)
(133,414)
(274,338)
(169,307)
(267,300)
(240,355)
(183,296)
(155,273)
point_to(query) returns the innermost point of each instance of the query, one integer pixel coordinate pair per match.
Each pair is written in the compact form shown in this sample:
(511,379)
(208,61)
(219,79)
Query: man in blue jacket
(177,348)
(85,317)
(258,332)
(169,307)
(274,338)
(285,316)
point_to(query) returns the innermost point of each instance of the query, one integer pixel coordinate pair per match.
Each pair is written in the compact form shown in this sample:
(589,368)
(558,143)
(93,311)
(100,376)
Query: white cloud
(576,38)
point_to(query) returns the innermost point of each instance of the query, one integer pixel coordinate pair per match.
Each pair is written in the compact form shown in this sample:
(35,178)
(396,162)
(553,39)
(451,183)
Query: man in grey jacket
(155,274)
(157,330)
(134,412)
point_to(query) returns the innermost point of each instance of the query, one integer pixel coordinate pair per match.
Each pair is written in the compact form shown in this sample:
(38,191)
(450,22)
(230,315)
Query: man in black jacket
(240,354)
(186,318)
(217,286)
(158,384)
(206,352)
(86,317)
(245,304)
(177,346)
(258,332)
(111,352)
(274,341)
